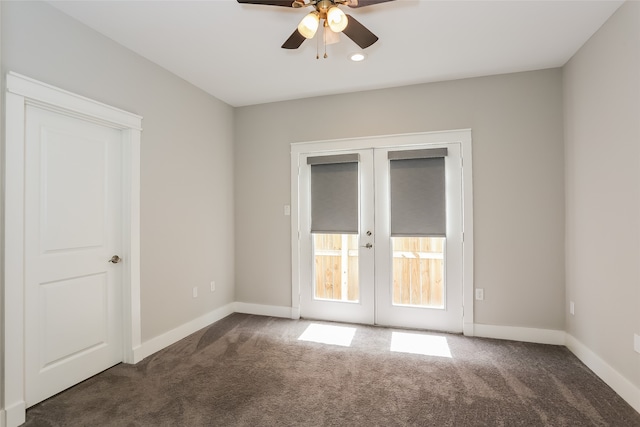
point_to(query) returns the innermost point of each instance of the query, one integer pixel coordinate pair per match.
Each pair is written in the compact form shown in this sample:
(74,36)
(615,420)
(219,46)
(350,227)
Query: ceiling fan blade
(284,3)
(294,41)
(363,3)
(359,33)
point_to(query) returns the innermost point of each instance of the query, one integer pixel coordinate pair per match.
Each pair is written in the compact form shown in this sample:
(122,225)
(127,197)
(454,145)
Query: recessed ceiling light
(357,57)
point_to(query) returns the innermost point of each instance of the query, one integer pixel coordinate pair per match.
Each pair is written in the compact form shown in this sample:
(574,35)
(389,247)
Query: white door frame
(463,137)
(22,91)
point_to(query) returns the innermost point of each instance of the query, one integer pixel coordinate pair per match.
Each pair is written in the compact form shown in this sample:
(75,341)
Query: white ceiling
(232,51)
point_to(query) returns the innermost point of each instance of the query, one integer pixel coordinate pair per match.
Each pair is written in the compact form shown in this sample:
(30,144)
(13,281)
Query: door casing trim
(21,91)
(461,136)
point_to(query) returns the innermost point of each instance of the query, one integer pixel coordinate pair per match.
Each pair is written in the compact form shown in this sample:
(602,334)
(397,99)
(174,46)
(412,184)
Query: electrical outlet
(287,210)
(480,294)
(213,286)
(572,308)
(195,292)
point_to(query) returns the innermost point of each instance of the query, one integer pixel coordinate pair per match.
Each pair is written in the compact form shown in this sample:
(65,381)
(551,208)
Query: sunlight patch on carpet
(328,334)
(428,345)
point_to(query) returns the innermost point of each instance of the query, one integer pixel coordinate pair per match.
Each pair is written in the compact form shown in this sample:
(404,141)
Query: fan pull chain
(324,37)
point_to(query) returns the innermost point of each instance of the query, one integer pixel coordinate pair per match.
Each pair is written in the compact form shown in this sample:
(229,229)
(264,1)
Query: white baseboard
(15,415)
(516,333)
(158,343)
(137,355)
(266,310)
(621,385)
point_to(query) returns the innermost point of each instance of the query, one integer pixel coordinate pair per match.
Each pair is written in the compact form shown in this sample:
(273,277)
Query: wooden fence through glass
(418,269)
(336,267)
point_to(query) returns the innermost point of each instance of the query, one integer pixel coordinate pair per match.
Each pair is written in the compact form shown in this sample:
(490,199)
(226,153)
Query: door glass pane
(418,271)
(336,267)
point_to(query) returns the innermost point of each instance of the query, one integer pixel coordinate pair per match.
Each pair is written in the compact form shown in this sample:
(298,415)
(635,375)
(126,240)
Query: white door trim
(21,91)
(462,136)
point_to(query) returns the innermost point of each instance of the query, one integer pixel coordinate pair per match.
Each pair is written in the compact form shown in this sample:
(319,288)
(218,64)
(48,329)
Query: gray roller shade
(334,194)
(418,205)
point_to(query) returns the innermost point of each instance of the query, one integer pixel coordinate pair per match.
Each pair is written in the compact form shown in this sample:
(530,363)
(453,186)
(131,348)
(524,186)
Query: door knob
(115,259)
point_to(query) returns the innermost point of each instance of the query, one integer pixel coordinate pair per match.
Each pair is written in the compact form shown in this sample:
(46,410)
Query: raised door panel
(72,209)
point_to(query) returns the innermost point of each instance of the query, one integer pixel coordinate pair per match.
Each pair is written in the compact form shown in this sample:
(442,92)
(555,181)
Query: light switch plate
(636,342)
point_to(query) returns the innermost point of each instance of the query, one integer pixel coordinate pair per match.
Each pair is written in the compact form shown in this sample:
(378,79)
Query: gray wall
(187,156)
(517,126)
(2,119)
(602,137)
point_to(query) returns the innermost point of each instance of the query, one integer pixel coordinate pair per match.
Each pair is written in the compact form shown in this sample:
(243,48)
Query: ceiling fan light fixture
(309,25)
(337,19)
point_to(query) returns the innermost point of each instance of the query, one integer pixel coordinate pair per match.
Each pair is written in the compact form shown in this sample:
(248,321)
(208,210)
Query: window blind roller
(427,153)
(418,204)
(334,194)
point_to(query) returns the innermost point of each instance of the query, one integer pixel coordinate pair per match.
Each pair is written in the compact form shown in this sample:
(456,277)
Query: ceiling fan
(331,15)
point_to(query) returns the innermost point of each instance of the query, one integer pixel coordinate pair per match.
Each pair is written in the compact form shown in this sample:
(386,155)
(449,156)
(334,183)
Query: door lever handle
(115,259)
(368,246)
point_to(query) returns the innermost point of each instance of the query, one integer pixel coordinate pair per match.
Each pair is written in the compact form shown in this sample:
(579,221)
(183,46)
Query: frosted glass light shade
(309,25)
(330,37)
(337,19)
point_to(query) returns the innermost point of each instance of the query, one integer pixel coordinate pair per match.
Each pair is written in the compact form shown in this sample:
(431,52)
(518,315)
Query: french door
(418,266)
(337,255)
(380,236)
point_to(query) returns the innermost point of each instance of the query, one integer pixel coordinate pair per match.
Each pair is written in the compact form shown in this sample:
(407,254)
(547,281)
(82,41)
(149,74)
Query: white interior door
(73,228)
(409,280)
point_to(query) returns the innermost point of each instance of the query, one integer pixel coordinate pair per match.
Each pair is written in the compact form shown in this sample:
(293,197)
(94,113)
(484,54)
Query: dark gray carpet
(253,371)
